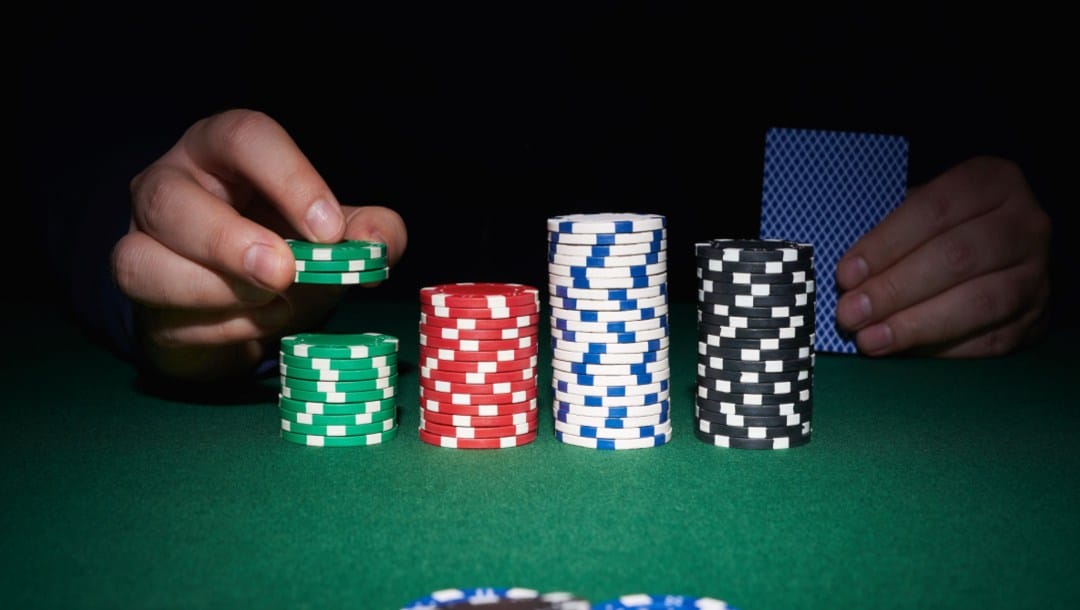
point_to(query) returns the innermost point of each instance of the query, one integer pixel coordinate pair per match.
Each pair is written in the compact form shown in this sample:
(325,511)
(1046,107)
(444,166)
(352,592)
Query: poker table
(927,483)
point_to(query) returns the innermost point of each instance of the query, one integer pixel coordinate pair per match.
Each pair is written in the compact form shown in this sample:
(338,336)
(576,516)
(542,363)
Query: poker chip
(340,346)
(495,598)
(628,400)
(605,223)
(502,442)
(472,295)
(339,266)
(628,358)
(606,239)
(338,429)
(610,327)
(613,347)
(594,283)
(314,440)
(478,366)
(494,313)
(315,407)
(611,422)
(754,250)
(345,250)
(342,278)
(593,273)
(628,260)
(642,601)
(607,304)
(601,294)
(480,421)
(614,444)
(351,419)
(482,410)
(755,309)
(480,323)
(477,378)
(478,345)
(364,385)
(339,364)
(582,368)
(494,334)
(603,432)
(299,372)
(563,407)
(614,315)
(615,250)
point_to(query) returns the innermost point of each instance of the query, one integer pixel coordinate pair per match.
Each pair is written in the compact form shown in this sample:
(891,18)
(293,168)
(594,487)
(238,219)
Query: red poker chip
(476,443)
(459,356)
(479,421)
(479,294)
(504,387)
(475,345)
(494,334)
(477,366)
(491,432)
(480,323)
(497,313)
(478,378)
(478,399)
(511,408)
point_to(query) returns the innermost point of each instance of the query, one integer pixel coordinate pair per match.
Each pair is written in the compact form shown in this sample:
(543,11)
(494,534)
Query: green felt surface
(939,484)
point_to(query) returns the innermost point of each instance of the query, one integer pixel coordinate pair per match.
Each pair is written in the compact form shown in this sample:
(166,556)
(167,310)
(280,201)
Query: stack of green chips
(347,262)
(338,390)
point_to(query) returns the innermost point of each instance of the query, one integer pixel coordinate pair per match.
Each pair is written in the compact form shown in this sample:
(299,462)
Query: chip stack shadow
(755,362)
(607,285)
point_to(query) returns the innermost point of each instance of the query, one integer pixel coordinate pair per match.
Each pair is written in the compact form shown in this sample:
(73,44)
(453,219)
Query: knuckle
(237,128)
(154,195)
(959,256)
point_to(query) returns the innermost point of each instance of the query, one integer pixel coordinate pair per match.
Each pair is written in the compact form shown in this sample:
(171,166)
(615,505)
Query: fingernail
(875,338)
(273,315)
(262,263)
(855,272)
(324,220)
(854,310)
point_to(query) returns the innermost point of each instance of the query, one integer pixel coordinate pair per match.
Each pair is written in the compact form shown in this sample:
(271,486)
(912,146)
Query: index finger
(969,189)
(250,147)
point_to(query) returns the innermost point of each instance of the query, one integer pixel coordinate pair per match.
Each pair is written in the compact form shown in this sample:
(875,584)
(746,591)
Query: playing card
(828,188)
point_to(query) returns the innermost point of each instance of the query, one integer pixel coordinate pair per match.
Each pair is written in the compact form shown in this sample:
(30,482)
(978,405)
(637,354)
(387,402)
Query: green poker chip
(315,407)
(359,264)
(351,419)
(339,386)
(339,345)
(297,372)
(339,397)
(338,430)
(342,251)
(339,364)
(346,278)
(360,440)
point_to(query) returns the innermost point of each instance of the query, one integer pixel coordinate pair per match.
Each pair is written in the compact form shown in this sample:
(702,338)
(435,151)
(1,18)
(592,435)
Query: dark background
(477,123)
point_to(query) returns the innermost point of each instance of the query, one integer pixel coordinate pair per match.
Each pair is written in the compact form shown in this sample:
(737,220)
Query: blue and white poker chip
(594,251)
(641,601)
(612,222)
(488,596)
(628,260)
(620,326)
(596,283)
(606,239)
(607,304)
(628,315)
(604,294)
